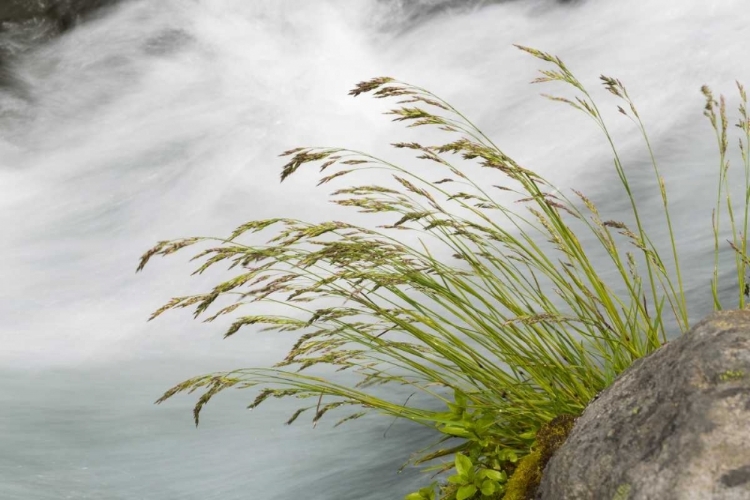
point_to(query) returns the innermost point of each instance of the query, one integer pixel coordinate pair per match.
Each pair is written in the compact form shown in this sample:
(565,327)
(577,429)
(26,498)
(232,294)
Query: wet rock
(673,426)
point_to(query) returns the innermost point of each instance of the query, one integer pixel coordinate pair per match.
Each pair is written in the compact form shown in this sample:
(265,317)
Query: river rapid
(158,120)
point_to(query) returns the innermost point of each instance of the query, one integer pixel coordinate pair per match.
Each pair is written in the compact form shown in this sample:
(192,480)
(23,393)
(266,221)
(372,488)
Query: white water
(163,119)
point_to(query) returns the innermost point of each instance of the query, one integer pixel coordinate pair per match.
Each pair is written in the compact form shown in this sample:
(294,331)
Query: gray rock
(673,426)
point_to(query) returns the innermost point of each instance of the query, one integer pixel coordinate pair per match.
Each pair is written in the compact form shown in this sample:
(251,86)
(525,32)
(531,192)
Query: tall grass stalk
(515,329)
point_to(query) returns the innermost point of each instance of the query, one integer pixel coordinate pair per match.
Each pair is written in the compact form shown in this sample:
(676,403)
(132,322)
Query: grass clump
(507,341)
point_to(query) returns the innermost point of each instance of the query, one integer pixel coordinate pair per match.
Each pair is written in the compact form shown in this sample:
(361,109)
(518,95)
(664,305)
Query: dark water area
(26,24)
(29,24)
(125,123)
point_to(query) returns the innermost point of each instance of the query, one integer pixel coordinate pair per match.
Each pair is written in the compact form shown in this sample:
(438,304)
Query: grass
(513,333)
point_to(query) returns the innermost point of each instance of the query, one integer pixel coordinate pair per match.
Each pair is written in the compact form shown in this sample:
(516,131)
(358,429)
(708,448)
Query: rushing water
(159,120)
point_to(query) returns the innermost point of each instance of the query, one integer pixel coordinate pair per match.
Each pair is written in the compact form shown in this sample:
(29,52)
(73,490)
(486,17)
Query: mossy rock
(674,425)
(524,482)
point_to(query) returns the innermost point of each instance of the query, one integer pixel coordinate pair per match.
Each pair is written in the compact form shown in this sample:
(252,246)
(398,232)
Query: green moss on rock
(525,480)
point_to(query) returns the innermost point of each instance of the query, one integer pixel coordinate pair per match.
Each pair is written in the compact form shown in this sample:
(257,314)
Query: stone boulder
(673,426)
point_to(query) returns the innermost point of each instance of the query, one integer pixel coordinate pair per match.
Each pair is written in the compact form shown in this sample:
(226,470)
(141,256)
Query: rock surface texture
(673,426)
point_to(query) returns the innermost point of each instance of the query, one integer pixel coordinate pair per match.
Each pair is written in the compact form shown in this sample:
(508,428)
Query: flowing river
(158,120)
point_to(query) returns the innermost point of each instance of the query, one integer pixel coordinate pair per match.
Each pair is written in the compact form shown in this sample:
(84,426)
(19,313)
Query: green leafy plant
(426,493)
(515,329)
(472,481)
